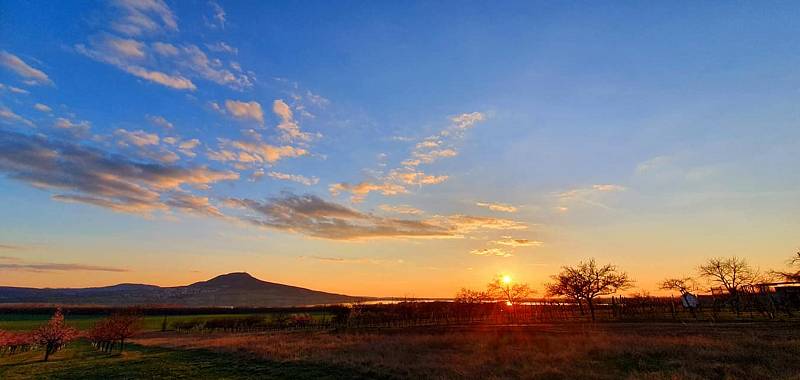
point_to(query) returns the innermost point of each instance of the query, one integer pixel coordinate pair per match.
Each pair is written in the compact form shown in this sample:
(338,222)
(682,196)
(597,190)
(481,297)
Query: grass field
(80,361)
(27,322)
(546,351)
(558,351)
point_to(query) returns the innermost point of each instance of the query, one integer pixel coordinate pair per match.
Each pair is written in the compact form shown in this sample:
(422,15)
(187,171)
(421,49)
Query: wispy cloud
(88,175)
(13,89)
(139,53)
(9,117)
(75,127)
(218,16)
(253,151)
(57,267)
(360,190)
(592,196)
(516,242)
(401,209)
(117,52)
(222,47)
(313,216)
(357,260)
(139,17)
(160,121)
(288,126)
(294,178)
(426,151)
(498,252)
(498,206)
(42,108)
(30,75)
(138,138)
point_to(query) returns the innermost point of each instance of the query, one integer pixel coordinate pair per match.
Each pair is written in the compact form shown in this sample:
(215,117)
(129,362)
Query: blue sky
(403,149)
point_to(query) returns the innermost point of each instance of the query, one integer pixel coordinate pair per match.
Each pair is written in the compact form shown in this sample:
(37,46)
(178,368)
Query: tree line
(584,282)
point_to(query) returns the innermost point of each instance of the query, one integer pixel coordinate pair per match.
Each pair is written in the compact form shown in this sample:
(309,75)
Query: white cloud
(100,51)
(195,60)
(187,147)
(160,121)
(42,107)
(126,47)
(165,49)
(467,120)
(416,178)
(290,130)
(140,17)
(79,127)
(138,138)
(360,190)
(245,110)
(253,152)
(295,178)
(222,47)
(31,75)
(10,117)
(13,89)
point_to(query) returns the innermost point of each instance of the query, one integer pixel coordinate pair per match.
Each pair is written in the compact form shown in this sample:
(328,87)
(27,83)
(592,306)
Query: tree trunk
(580,305)
(47,352)
(121,345)
(591,307)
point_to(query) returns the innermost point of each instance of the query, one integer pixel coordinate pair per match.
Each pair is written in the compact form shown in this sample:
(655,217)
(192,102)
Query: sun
(506,279)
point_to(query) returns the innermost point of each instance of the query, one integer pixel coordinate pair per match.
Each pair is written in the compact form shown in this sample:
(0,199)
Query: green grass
(80,361)
(27,322)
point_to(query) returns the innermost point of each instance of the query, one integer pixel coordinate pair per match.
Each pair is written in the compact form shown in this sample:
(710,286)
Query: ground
(81,361)
(553,351)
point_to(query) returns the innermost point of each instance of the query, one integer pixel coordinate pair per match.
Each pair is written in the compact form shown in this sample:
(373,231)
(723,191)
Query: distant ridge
(238,289)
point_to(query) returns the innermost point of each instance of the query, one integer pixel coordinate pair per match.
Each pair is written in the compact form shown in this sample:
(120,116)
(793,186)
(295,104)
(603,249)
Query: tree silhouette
(682,284)
(794,271)
(731,273)
(503,288)
(586,281)
(469,300)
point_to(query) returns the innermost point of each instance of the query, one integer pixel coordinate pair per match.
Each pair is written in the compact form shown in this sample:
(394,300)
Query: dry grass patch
(669,351)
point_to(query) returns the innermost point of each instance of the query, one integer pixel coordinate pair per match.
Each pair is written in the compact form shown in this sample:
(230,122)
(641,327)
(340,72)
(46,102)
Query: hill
(232,289)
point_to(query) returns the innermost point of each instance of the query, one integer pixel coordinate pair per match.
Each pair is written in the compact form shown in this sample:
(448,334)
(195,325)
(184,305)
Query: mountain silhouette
(238,289)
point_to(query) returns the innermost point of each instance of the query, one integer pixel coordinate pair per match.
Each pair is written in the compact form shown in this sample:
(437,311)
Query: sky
(394,148)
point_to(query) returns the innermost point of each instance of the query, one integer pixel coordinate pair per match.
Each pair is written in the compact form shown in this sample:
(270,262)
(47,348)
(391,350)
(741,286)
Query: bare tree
(503,288)
(794,272)
(469,296)
(469,300)
(731,273)
(54,335)
(586,281)
(681,284)
(568,284)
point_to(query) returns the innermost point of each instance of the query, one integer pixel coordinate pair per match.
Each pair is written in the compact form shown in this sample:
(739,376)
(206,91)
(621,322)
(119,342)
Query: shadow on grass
(81,361)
